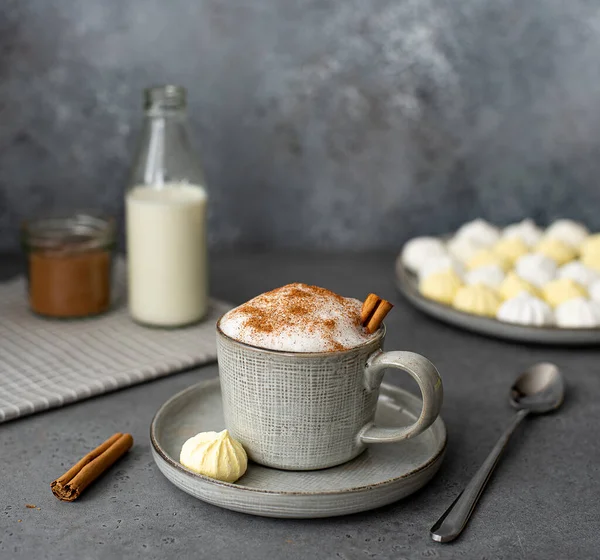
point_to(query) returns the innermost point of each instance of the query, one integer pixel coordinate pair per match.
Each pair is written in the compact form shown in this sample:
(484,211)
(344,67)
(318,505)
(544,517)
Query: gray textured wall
(322,123)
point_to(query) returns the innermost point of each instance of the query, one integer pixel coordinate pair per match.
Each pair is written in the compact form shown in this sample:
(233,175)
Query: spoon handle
(455,518)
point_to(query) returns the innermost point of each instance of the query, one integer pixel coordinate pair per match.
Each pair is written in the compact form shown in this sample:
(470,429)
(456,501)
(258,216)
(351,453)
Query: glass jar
(69,262)
(166,218)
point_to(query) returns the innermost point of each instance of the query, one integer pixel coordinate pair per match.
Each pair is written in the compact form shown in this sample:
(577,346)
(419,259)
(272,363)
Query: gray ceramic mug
(304,411)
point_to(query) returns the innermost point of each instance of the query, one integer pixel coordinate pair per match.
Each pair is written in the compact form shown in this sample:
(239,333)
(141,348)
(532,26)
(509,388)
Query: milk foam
(298,318)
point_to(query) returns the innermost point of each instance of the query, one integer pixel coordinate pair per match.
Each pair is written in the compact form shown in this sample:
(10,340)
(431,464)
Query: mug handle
(430,384)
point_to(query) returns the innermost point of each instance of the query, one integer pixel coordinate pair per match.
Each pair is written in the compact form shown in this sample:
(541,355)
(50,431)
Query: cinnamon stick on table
(71,484)
(373,312)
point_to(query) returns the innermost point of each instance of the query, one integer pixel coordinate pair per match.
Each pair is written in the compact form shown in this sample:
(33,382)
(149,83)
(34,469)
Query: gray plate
(381,475)
(407,283)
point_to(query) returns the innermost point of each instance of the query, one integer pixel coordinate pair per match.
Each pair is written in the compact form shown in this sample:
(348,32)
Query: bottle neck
(165,102)
(165,154)
(168,118)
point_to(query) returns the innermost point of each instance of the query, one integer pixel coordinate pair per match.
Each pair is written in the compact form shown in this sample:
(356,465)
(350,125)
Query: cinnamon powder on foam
(297,317)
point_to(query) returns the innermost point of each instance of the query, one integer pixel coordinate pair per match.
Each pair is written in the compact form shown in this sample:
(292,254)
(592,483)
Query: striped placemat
(46,363)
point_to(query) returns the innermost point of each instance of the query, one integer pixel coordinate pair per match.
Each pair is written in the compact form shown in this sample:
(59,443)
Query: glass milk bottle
(166,218)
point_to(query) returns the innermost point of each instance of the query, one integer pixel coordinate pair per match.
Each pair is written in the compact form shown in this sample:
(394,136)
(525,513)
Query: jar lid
(75,233)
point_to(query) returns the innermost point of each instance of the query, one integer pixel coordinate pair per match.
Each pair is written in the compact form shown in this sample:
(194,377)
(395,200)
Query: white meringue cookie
(578,313)
(568,231)
(526,309)
(464,248)
(491,275)
(576,270)
(417,250)
(526,230)
(536,268)
(480,231)
(594,291)
(435,264)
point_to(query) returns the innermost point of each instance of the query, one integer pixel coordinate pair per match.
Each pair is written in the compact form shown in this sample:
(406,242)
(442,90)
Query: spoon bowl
(539,389)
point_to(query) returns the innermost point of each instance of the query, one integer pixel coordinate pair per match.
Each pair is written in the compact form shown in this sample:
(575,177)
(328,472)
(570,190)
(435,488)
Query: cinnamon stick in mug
(373,312)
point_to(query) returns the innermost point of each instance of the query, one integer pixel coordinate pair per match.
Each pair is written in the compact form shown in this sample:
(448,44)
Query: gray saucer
(381,475)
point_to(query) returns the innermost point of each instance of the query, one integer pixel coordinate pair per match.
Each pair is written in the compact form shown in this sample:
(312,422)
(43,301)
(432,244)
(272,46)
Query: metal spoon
(540,389)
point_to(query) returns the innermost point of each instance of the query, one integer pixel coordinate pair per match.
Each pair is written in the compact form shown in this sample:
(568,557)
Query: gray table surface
(543,502)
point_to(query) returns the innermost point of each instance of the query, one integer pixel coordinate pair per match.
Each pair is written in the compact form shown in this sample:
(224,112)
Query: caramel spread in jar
(69,265)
